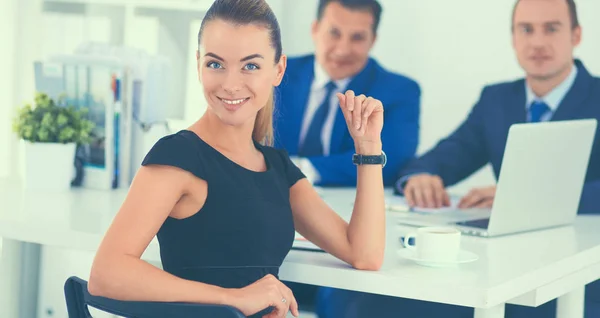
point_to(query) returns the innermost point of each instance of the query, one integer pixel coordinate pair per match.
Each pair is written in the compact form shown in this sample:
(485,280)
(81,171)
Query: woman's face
(236,65)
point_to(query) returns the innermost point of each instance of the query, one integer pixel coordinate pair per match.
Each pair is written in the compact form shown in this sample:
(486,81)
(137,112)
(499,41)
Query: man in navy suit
(308,121)
(556,87)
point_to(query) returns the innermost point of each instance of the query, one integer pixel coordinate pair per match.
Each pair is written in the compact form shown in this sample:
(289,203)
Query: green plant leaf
(49,121)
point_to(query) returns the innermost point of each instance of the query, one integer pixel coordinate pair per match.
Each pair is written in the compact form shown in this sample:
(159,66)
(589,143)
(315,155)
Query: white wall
(27,47)
(7,60)
(452,48)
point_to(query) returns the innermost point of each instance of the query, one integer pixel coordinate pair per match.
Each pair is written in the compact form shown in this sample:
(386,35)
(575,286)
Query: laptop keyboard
(481,223)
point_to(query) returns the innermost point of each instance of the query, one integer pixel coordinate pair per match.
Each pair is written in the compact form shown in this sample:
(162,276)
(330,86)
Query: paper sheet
(302,243)
(398,204)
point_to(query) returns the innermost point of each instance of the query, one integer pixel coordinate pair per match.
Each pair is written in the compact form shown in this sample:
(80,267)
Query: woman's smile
(233,104)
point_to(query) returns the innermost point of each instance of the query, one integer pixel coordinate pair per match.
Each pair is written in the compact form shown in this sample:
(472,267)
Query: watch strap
(359,159)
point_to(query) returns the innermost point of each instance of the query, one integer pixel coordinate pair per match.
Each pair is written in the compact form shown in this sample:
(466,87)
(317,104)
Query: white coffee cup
(440,244)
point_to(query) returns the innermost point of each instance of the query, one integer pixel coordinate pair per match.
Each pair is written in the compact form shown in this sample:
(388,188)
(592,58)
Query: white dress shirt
(317,94)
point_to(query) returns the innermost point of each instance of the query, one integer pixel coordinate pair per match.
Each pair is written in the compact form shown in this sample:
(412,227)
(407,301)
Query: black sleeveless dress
(245,228)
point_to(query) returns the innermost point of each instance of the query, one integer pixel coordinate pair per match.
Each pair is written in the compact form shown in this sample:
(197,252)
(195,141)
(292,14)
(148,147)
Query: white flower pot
(47,166)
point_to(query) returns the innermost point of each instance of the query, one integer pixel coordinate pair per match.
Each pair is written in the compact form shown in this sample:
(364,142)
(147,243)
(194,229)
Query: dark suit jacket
(401,100)
(481,138)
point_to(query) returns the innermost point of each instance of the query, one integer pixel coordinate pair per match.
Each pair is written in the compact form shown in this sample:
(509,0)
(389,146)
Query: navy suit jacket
(401,101)
(481,138)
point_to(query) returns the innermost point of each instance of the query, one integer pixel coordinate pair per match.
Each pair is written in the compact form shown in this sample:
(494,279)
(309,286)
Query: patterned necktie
(313,145)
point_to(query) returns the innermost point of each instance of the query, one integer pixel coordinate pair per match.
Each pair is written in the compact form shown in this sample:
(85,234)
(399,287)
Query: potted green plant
(50,132)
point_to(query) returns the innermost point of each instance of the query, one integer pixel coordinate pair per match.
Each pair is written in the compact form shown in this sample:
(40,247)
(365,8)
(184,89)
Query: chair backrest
(78,299)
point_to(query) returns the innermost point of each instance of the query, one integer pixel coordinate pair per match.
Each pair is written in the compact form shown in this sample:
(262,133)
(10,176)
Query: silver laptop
(540,183)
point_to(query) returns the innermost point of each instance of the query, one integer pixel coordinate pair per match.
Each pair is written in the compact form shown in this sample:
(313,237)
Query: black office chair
(78,299)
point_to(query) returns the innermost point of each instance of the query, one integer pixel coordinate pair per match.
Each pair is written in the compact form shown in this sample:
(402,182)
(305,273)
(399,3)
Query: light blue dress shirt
(553,98)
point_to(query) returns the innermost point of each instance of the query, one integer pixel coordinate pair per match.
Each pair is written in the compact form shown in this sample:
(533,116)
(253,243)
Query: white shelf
(176,5)
(173,19)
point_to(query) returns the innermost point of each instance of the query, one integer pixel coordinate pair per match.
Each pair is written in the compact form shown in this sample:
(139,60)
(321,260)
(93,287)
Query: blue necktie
(537,111)
(312,145)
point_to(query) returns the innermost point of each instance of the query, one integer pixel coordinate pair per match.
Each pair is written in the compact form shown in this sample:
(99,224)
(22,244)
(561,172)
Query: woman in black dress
(222,202)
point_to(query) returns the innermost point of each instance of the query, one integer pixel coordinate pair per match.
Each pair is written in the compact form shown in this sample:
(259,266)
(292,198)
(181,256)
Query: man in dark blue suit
(556,87)
(308,121)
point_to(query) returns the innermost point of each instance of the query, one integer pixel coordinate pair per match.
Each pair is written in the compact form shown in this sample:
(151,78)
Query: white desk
(526,269)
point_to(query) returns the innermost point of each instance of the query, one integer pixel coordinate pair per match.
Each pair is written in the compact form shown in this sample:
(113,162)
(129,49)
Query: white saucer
(463,257)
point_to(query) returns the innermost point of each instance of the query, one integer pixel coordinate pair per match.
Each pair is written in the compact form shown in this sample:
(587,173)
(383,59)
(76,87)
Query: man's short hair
(572,13)
(371,5)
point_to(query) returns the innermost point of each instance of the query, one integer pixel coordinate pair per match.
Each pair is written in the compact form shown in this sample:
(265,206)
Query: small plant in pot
(50,132)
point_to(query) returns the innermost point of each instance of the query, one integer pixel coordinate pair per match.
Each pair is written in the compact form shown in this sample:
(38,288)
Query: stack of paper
(301,243)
